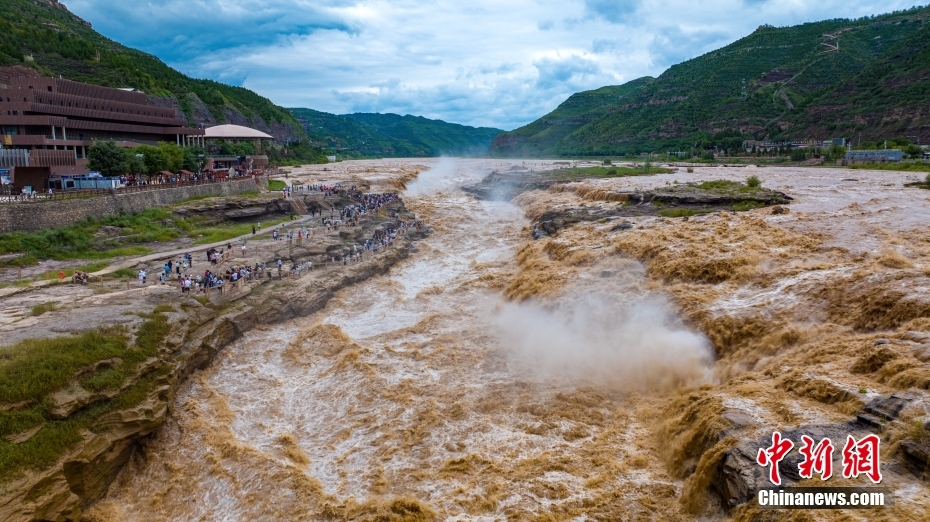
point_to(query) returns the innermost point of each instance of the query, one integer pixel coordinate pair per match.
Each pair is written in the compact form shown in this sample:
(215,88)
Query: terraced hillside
(783,83)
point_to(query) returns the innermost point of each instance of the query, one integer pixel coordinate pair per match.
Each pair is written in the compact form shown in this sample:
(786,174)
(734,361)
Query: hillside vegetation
(776,82)
(392,135)
(43,35)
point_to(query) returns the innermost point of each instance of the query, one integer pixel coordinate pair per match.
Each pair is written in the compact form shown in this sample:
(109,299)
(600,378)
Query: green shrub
(40,309)
(753,181)
(276,184)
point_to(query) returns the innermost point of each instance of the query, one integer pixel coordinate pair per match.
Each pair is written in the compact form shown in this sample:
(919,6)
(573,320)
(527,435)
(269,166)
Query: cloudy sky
(500,63)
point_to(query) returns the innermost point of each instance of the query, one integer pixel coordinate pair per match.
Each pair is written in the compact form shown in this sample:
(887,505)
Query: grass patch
(743,206)
(218,234)
(81,240)
(726,187)
(57,436)
(114,236)
(901,167)
(720,184)
(276,184)
(123,273)
(682,212)
(215,235)
(35,368)
(40,309)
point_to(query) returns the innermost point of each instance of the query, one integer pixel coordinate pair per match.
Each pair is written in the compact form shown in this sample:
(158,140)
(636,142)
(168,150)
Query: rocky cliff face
(58,5)
(203,117)
(198,334)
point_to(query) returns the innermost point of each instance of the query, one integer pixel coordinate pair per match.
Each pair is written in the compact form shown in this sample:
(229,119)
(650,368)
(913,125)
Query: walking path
(181,251)
(168,254)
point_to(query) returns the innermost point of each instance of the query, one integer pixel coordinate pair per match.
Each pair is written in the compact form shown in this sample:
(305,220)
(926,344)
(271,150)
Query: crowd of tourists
(217,279)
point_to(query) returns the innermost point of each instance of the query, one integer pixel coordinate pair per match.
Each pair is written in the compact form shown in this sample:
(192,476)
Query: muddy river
(423,392)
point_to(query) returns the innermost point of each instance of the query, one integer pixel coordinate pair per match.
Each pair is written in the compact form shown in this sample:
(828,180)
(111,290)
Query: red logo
(862,458)
(773,455)
(816,459)
(859,458)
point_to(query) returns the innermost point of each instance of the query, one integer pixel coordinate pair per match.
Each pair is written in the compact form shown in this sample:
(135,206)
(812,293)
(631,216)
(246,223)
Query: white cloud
(482,62)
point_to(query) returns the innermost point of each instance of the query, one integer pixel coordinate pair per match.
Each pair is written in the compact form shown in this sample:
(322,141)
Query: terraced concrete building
(47,124)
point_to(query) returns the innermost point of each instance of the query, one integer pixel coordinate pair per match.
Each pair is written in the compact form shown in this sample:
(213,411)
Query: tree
(174,154)
(913,151)
(154,159)
(108,159)
(836,152)
(191,159)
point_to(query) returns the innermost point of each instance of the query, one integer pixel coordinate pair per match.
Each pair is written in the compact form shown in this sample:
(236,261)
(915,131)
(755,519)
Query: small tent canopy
(233,132)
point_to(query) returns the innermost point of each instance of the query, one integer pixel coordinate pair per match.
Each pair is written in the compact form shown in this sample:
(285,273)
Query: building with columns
(47,124)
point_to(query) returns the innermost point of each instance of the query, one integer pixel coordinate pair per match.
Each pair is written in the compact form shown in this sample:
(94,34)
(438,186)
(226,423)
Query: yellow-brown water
(491,377)
(425,393)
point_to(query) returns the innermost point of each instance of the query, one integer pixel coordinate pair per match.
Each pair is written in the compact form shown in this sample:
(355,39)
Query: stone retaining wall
(33,216)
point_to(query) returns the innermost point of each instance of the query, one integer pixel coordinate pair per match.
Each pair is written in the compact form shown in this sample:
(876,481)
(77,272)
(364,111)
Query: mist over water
(444,175)
(604,338)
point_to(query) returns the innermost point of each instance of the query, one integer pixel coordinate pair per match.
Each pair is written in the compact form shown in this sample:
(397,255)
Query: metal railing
(16,196)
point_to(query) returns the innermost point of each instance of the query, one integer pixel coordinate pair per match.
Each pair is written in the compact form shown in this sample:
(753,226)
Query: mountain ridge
(775,82)
(393,135)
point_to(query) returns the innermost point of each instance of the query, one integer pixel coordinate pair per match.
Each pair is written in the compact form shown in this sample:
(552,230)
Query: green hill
(391,135)
(44,35)
(776,83)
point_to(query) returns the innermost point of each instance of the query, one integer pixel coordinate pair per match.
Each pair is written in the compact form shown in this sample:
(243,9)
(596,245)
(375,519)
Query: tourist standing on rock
(142,276)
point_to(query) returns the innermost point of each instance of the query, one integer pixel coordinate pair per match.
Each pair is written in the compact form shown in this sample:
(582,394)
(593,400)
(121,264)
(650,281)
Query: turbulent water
(424,392)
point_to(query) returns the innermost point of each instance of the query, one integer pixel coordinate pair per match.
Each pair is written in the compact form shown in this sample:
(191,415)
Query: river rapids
(425,393)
